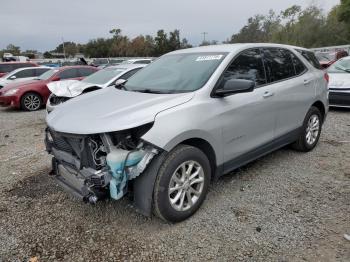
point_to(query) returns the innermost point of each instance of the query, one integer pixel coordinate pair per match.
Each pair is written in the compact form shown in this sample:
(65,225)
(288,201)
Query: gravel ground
(287,206)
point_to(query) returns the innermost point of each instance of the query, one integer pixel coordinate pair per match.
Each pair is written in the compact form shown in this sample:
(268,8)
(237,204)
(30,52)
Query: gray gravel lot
(287,206)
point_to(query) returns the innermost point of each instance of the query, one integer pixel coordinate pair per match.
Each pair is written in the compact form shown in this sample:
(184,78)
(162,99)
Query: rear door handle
(267,94)
(307,81)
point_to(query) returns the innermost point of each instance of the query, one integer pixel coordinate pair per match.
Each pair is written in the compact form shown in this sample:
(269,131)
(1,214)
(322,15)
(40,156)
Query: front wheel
(182,184)
(311,131)
(31,102)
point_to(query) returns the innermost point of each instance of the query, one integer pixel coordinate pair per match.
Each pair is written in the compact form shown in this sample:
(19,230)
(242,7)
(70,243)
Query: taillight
(326,77)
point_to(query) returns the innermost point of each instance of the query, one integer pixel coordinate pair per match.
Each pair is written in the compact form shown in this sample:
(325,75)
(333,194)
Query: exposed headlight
(11,92)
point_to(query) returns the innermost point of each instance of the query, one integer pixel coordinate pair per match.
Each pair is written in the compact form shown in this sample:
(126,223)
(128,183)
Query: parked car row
(165,133)
(64,90)
(32,94)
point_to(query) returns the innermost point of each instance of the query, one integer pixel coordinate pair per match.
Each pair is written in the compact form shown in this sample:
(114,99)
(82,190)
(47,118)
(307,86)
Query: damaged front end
(96,166)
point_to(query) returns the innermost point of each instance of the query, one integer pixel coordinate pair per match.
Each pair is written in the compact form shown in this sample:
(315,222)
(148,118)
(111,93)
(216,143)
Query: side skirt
(260,151)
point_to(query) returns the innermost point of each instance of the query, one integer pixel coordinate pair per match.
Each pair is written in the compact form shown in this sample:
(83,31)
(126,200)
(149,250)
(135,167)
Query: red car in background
(31,95)
(326,59)
(8,67)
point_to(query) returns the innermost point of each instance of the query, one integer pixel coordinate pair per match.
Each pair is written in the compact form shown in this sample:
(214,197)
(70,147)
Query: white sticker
(209,57)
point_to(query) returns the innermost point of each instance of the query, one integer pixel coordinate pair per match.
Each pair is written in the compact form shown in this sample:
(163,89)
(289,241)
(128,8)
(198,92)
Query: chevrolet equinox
(189,117)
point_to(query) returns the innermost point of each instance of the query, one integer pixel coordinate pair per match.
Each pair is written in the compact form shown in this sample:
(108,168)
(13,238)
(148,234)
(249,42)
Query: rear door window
(86,71)
(40,71)
(5,68)
(310,57)
(69,73)
(25,73)
(278,64)
(249,66)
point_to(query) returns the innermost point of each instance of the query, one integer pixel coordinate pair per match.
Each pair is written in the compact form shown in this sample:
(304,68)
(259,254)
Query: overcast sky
(41,24)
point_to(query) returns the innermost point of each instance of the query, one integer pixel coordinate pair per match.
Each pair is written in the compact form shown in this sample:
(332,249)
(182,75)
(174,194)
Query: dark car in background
(7,67)
(33,94)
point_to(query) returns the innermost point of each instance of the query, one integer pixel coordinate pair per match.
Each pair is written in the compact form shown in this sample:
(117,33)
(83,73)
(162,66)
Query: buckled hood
(110,109)
(69,88)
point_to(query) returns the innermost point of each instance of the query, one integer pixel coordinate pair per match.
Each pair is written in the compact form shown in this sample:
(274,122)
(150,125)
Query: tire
(31,102)
(308,139)
(172,175)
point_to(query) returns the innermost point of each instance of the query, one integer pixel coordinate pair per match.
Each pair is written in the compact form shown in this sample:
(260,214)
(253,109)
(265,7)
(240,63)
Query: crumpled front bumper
(84,183)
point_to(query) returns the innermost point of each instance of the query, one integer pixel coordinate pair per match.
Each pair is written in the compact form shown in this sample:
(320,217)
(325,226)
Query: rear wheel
(311,131)
(31,102)
(182,184)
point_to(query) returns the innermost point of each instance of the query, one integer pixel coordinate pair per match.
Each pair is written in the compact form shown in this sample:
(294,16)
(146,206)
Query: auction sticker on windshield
(209,57)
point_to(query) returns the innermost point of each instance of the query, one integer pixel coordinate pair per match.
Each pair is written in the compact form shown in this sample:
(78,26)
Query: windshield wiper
(149,91)
(343,69)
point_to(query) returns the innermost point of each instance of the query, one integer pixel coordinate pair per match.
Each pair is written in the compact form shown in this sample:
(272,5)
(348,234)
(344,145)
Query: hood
(110,109)
(21,84)
(339,80)
(68,88)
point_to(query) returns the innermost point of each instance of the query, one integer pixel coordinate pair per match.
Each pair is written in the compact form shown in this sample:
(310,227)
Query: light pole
(204,34)
(64,50)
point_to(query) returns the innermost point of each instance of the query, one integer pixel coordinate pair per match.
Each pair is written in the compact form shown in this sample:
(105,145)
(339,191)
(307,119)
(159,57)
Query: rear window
(310,57)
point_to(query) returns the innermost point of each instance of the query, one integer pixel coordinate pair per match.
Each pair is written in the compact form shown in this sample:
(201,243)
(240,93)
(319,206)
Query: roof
(17,62)
(32,67)
(228,48)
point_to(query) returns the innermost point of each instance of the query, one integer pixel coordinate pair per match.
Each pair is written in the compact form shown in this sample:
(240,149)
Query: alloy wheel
(32,102)
(186,185)
(312,129)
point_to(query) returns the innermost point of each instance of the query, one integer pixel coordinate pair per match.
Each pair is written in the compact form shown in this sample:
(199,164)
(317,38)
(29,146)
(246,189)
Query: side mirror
(13,77)
(235,86)
(120,83)
(56,78)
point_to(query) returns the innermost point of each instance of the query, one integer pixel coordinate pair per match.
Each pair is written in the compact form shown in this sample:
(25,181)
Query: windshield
(341,66)
(103,76)
(178,73)
(47,74)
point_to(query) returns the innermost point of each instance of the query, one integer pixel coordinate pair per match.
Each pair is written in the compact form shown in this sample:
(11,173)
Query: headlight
(11,92)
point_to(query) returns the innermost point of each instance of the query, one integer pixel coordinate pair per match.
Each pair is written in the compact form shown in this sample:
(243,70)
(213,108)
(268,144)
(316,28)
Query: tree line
(308,27)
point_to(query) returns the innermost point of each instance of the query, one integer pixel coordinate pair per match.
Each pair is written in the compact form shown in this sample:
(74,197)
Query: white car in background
(65,90)
(22,74)
(339,83)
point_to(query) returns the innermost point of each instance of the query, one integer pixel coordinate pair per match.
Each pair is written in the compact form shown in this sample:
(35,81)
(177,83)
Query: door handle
(267,94)
(307,81)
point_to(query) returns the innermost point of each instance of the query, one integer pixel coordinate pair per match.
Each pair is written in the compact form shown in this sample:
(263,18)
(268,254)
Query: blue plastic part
(116,160)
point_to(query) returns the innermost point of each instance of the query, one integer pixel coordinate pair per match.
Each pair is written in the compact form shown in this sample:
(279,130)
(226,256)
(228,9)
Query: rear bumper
(12,101)
(339,98)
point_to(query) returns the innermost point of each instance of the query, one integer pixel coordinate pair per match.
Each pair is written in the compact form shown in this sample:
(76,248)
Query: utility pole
(204,34)
(64,50)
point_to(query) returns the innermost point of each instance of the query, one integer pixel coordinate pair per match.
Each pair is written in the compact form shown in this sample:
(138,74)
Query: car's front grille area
(56,100)
(66,143)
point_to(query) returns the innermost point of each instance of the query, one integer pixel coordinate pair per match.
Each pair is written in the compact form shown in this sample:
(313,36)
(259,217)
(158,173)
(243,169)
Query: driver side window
(249,66)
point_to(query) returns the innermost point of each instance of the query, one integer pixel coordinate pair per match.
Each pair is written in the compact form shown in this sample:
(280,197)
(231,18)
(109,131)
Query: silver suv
(183,121)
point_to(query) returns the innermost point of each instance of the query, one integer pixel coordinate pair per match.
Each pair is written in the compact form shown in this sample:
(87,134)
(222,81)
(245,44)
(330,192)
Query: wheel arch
(318,104)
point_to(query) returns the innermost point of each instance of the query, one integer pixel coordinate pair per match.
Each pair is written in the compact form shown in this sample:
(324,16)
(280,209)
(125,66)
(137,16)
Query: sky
(42,24)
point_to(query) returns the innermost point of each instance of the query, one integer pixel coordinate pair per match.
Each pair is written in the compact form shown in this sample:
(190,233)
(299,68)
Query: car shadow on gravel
(13,110)
(34,187)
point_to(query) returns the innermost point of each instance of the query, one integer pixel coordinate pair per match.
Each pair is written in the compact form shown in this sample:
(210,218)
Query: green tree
(11,48)
(344,11)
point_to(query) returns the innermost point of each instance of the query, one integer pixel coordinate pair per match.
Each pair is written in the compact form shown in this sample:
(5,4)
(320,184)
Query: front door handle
(267,94)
